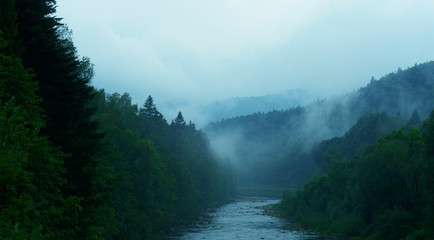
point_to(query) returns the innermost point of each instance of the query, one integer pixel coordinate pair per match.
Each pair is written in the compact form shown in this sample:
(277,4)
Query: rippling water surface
(244,220)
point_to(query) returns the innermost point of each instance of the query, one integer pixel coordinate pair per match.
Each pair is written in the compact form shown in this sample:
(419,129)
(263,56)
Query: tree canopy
(77,163)
(385,194)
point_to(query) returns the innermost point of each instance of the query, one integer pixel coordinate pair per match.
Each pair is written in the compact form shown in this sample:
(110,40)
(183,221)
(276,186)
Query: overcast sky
(185,52)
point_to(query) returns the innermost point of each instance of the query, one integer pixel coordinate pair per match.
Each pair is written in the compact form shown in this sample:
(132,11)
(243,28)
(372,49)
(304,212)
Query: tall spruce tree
(31,203)
(65,92)
(179,120)
(150,110)
(154,124)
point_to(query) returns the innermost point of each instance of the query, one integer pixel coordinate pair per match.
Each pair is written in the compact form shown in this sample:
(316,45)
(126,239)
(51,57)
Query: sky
(192,52)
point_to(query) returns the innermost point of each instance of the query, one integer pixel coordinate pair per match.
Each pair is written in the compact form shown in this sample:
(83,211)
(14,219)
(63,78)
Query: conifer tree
(65,92)
(150,110)
(179,120)
(31,203)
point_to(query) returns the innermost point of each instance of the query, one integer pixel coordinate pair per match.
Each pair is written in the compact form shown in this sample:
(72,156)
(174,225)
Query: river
(244,219)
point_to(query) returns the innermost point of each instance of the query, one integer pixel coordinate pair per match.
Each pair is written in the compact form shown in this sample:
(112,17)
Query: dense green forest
(284,147)
(161,174)
(387,193)
(79,163)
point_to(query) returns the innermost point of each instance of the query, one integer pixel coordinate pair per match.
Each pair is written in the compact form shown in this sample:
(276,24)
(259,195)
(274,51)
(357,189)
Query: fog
(190,54)
(221,59)
(280,147)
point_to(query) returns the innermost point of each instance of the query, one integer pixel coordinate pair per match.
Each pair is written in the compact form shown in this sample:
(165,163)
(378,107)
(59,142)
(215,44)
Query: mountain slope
(263,139)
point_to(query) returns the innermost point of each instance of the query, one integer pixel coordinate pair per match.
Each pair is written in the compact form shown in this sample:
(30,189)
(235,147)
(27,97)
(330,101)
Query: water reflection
(244,220)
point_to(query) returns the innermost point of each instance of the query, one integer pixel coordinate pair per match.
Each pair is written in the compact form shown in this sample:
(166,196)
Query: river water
(244,219)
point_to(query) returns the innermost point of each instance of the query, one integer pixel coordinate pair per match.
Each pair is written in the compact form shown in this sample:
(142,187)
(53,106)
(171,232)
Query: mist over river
(244,219)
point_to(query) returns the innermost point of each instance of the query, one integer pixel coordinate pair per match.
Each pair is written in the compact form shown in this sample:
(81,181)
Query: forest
(386,193)
(79,163)
(358,166)
(286,148)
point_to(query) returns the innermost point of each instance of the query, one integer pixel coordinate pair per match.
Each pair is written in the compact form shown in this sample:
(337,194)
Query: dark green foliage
(63,88)
(150,110)
(9,28)
(142,179)
(163,175)
(134,177)
(386,194)
(31,203)
(45,46)
(146,177)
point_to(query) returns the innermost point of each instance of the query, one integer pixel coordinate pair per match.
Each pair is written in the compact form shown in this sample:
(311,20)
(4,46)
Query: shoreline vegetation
(275,210)
(385,194)
(79,163)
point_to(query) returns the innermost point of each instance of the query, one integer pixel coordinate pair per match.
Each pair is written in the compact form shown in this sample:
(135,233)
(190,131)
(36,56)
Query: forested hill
(77,163)
(160,175)
(386,194)
(259,143)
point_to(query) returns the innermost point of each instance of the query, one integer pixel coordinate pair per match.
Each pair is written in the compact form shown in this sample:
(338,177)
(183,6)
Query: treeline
(77,163)
(161,175)
(387,193)
(359,139)
(274,148)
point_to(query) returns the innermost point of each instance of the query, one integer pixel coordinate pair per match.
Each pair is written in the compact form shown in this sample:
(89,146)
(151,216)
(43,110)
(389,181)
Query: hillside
(358,139)
(385,194)
(233,107)
(77,163)
(254,142)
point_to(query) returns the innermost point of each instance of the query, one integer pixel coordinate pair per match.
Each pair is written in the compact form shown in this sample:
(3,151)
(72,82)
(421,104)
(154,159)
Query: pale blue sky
(194,51)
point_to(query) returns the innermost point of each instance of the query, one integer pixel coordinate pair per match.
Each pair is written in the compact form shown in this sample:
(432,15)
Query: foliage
(76,163)
(386,194)
(31,204)
(42,43)
(163,174)
(354,143)
(285,147)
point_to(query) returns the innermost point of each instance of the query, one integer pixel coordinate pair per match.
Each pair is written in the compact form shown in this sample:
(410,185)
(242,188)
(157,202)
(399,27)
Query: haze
(190,53)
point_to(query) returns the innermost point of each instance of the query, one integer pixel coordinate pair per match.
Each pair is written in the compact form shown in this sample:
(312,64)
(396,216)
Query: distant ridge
(234,107)
(255,142)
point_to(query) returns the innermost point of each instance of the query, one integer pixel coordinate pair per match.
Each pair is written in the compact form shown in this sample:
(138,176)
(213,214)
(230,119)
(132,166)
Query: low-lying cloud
(201,51)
